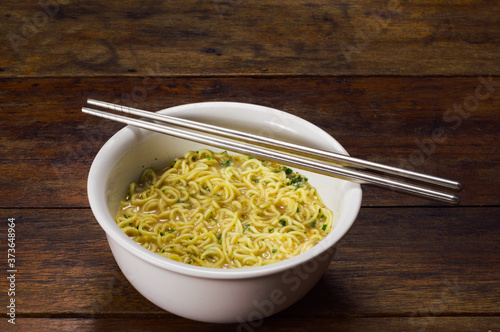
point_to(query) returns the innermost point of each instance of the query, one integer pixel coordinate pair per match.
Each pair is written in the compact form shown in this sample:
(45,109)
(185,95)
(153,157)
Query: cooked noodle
(216,210)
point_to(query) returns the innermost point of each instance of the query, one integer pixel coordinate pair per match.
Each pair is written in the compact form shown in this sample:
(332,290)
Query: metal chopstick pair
(320,161)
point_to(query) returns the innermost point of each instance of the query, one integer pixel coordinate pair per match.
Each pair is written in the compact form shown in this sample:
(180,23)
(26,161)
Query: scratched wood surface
(388,120)
(446,264)
(444,324)
(413,84)
(305,37)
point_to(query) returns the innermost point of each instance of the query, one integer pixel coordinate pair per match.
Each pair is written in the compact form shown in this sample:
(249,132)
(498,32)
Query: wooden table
(406,83)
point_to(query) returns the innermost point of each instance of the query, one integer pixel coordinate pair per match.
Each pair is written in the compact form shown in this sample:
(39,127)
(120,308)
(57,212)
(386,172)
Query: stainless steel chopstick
(282,157)
(338,158)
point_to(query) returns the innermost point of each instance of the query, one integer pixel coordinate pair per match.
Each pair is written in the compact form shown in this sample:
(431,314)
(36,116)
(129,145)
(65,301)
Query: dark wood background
(383,78)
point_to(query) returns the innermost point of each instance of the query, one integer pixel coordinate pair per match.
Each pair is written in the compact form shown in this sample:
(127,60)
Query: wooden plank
(389,324)
(47,141)
(401,262)
(99,38)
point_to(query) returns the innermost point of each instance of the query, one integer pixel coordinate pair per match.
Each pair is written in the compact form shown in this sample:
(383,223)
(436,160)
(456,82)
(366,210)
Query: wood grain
(48,144)
(394,262)
(413,84)
(303,37)
(444,324)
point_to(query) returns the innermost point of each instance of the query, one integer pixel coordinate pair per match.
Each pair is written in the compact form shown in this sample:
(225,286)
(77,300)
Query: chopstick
(315,160)
(270,142)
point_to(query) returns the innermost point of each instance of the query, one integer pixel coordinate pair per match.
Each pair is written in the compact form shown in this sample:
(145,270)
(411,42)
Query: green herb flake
(274,250)
(324,227)
(255,180)
(161,233)
(283,222)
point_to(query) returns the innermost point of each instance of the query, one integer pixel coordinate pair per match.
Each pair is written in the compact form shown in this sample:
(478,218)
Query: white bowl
(211,294)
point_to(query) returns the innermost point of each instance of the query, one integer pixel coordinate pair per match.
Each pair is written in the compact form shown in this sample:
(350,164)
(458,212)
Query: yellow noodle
(216,210)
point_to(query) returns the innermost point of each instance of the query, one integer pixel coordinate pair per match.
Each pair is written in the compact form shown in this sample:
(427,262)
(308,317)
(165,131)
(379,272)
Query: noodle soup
(222,211)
